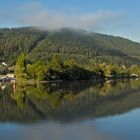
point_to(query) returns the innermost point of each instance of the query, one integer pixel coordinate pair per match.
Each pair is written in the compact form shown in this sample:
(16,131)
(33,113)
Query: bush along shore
(59,70)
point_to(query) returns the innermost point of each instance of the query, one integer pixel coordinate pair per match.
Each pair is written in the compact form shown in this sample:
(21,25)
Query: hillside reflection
(70,101)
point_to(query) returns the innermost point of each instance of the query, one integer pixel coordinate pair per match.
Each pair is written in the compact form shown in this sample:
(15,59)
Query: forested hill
(85,47)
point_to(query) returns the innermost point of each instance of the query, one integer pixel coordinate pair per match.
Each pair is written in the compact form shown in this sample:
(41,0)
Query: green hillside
(85,47)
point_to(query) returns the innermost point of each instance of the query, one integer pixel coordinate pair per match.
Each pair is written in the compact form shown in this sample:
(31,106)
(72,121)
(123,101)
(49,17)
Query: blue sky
(116,17)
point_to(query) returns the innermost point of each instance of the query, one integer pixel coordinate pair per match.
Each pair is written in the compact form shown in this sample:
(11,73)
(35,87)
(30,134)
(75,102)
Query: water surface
(84,110)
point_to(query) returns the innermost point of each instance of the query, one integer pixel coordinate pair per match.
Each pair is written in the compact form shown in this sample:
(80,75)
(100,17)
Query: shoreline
(34,82)
(99,79)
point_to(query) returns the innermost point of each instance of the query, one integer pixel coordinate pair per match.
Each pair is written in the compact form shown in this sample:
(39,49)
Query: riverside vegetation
(57,69)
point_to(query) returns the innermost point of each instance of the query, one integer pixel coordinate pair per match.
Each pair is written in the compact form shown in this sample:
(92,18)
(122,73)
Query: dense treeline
(57,69)
(86,48)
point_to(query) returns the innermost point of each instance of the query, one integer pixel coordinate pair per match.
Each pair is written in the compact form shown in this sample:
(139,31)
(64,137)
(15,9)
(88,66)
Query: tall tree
(20,68)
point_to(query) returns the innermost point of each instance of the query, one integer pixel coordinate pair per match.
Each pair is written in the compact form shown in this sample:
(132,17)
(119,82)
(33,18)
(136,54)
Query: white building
(10,75)
(4,64)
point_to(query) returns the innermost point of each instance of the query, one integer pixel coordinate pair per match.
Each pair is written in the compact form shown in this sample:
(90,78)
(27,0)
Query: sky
(113,17)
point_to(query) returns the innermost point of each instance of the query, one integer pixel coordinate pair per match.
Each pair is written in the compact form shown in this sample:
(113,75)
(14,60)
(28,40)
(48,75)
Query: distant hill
(85,47)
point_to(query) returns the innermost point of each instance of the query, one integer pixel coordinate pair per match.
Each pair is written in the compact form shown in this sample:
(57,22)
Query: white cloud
(35,14)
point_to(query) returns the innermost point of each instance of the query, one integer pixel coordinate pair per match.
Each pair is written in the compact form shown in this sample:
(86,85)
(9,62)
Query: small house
(10,75)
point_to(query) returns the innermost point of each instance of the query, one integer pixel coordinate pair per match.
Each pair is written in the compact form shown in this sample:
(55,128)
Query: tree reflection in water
(67,101)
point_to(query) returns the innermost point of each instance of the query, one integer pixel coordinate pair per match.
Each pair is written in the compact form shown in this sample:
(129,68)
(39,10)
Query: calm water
(71,111)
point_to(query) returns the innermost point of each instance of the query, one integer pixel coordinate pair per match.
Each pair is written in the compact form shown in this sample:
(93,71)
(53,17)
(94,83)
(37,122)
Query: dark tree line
(57,69)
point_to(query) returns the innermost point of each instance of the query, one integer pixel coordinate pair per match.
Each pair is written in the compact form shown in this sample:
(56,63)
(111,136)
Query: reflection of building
(14,87)
(2,86)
